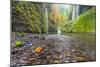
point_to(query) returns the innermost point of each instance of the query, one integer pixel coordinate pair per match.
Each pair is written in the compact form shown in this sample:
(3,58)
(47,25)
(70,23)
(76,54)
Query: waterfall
(46,15)
(59,31)
(75,12)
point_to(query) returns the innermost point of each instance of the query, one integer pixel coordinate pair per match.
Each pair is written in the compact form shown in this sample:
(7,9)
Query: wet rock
(56,49)
(57,61)
(79,59)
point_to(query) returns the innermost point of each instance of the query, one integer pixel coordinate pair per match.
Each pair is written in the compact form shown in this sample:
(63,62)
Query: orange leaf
(38,50)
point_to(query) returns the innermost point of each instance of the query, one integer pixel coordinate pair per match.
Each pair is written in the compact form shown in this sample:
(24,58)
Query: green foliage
(29,14)
(19,43)
(32,17)
(85,22)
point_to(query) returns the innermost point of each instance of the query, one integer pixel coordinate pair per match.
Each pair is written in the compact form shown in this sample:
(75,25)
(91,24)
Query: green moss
(85,22)
(31,16)
(19,43)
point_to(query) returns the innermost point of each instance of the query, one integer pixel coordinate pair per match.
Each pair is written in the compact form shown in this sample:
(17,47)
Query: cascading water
(59,31)
(75,12)
(46,15)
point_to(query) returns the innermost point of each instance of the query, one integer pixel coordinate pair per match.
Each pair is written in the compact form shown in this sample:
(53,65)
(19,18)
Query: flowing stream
(67,48)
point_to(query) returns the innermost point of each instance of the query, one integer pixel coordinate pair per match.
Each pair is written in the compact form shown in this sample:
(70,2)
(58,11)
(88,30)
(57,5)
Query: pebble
(53,54)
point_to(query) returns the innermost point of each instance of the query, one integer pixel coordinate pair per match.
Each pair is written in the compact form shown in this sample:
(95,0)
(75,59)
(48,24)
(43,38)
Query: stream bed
(55,49)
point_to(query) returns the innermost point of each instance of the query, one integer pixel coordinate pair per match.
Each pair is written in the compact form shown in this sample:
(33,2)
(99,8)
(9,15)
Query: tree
(28,17)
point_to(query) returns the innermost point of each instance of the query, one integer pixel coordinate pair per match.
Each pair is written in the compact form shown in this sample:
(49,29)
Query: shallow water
(72,47)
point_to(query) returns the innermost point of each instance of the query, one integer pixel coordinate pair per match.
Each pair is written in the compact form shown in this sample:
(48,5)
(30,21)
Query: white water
(59,31)
(46,15)
(75,12)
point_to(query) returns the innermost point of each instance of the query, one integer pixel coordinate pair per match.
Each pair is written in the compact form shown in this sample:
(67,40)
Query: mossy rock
(85,22)
(19,43)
